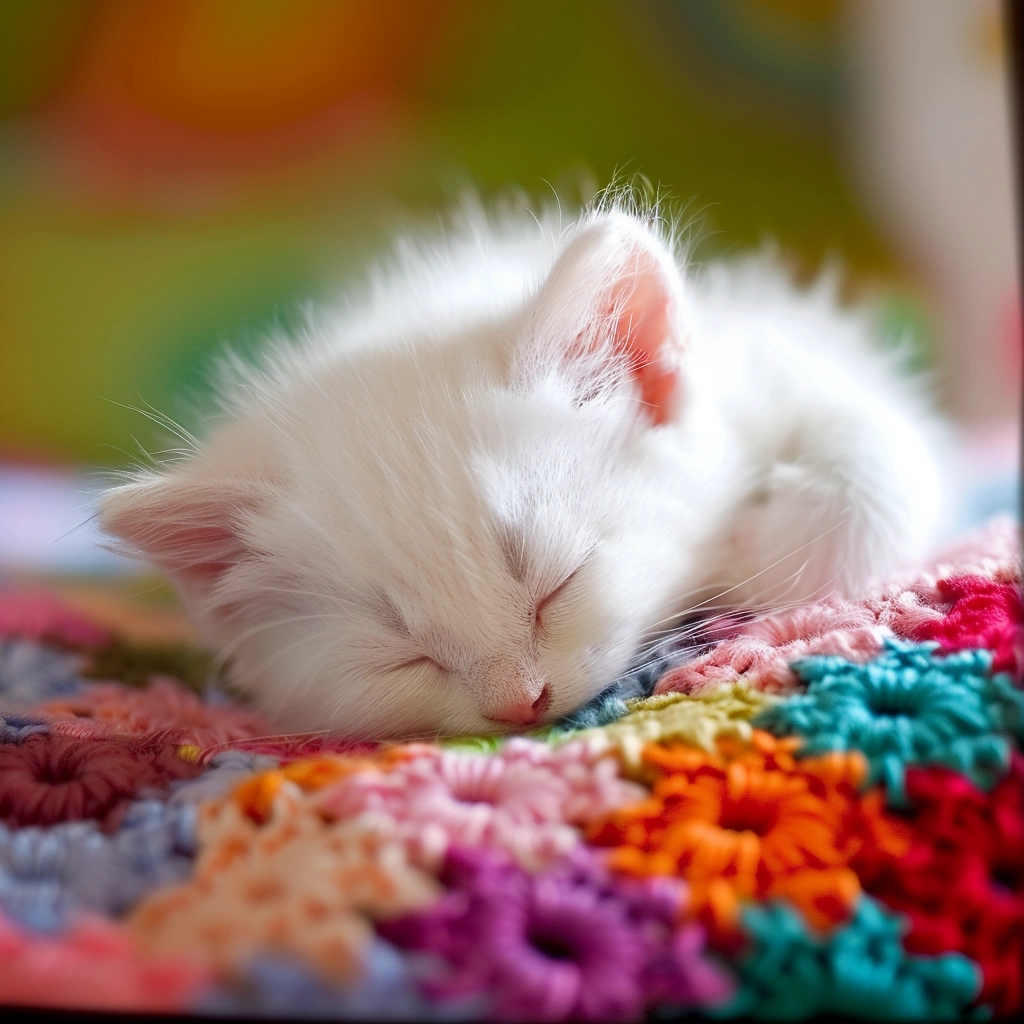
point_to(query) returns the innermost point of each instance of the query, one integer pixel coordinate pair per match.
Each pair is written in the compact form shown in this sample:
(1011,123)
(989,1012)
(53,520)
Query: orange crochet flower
(751,822)
(256,795)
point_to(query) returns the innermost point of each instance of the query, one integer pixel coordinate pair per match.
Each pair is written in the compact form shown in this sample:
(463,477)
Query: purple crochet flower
(572,942)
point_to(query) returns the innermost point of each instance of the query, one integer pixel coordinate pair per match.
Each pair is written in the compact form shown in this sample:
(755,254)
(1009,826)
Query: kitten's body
(462,504)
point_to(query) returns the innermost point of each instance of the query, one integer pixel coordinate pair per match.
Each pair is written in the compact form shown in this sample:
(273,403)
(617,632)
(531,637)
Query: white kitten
(462,504)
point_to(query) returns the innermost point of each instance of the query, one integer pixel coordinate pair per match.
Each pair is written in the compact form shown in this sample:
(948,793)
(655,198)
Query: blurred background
(177,175)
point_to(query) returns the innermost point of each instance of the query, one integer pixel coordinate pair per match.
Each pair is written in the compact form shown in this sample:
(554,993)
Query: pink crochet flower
(981,613)
(908,606)
(40,615)
(163,710)
(526,799)
(763,649)
(94,967)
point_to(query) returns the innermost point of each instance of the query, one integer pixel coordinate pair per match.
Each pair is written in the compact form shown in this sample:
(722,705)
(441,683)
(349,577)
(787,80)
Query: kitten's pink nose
(523,713)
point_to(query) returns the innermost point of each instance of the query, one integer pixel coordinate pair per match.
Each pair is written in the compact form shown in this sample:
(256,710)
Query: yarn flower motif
(49,778)
(528,799)
(961,884)
(982,613)
(571,943)
(700,720)
(790,973)
(30,672)
(163,710)
(294,886)
(93,967)
(259,794)
(907,707)
(762,650)
(750,822)
(48,874)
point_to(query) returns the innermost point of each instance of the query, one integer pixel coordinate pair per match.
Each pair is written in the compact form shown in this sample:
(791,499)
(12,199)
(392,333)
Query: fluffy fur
(463,502)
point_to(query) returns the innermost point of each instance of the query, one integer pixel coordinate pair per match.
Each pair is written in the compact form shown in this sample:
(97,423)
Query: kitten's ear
(192,531)
(191,521)
(616,291)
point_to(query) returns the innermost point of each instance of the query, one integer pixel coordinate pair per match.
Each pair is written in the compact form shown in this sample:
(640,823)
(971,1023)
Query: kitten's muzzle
(523,713)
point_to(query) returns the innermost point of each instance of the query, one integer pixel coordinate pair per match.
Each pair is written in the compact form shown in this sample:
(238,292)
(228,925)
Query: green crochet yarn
(861,969)
(473,744)
(906,707)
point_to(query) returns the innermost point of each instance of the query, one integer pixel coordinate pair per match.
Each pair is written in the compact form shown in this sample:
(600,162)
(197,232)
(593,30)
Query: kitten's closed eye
(544,606)
(423,661)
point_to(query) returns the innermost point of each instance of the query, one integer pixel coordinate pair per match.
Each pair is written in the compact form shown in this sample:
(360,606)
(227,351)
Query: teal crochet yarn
(791,972)
(906,707)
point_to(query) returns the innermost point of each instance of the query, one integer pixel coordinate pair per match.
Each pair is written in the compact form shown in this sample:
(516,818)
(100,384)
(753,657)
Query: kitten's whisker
(163,421)
(206,751)
(218,663)
(767,568)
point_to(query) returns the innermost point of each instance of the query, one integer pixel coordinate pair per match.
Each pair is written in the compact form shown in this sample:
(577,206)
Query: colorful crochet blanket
(819,811)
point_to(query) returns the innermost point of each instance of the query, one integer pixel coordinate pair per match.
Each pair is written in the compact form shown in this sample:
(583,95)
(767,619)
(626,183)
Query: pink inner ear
(189,530)
(202,552)
(644,334)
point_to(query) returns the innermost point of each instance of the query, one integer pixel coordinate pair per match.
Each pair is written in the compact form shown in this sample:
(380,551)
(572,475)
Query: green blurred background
(180,174)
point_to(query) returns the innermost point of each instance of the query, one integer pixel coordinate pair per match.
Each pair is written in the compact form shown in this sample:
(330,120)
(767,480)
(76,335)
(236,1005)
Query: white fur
(413,476)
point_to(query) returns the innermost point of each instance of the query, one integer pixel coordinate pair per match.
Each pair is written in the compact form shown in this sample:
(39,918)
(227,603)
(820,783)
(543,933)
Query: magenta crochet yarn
(570,943)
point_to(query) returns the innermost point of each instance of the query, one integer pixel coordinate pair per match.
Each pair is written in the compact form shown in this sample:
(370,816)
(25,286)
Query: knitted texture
(982,613)
(862,969)
(571,942)
(818,811)
(699,720)
(961,881)
(751,822)
(906,707)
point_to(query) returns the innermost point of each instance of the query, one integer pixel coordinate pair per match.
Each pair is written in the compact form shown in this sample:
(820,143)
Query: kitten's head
(465,526)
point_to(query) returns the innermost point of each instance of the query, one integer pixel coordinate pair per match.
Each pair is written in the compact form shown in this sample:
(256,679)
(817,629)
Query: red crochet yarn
(291,748)
(50,778)
(93,967)
(39,615)
(982,613)
(163,712)
(962,881)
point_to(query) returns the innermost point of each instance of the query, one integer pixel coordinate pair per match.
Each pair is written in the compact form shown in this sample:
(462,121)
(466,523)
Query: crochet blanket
(818,811)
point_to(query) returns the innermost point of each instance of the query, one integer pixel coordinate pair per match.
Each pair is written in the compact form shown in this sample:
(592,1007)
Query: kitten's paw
(791,543)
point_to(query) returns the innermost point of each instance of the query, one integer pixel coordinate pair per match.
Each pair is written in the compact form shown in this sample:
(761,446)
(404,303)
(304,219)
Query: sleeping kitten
(461,504)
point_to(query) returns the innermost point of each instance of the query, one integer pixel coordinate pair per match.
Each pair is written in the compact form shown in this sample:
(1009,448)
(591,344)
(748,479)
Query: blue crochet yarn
(861,969)
(607,707)
(45,873)
(30,672)
(906,707)
(223,772)
(276,987)
(637,681)
(14,727)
